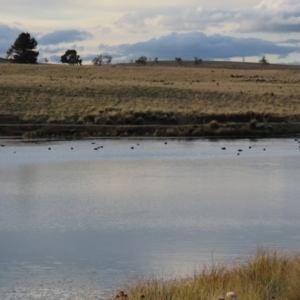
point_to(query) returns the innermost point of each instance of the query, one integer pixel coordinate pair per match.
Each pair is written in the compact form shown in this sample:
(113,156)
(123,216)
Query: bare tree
(100,60)
(178,60)
(198,61)
(107,59)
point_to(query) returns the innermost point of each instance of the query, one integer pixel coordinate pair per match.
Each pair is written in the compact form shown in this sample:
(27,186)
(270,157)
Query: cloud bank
(269,16)
(189,45)
(8,36)
(64,36)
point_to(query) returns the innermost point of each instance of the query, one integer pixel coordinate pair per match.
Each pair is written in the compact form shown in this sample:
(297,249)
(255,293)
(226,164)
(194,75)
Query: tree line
(24,51)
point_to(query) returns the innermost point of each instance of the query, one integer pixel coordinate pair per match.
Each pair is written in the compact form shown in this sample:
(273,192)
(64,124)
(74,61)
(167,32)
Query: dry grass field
(266,276)
(163,94)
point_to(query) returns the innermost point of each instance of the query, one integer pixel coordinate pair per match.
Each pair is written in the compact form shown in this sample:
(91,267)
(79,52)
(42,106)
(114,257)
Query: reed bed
(264,276)
(127,94)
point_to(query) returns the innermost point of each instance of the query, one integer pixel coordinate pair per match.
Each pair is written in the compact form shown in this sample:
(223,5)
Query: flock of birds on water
(132,147)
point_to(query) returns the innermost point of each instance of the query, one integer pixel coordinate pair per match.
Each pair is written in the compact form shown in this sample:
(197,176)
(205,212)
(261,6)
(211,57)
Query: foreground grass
(267,275)
(131,95)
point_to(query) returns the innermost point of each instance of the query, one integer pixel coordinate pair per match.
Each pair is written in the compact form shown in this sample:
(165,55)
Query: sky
(211,30)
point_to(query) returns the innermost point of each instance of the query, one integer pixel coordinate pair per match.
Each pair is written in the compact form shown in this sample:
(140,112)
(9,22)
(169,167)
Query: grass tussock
(130,95)
(265,276)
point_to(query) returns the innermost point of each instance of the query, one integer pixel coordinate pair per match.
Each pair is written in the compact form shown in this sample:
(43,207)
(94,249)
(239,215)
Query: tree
(99,60)
(71,58)
(22,51)
(198,61)
(179,60)
(142,60)
(107,59)
(264,61)
(156,60)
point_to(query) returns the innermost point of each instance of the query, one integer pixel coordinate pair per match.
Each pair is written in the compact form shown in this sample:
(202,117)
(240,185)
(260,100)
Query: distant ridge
(3,60)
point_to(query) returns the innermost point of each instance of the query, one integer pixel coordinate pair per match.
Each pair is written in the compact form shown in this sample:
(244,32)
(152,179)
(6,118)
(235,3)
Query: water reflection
(160,208)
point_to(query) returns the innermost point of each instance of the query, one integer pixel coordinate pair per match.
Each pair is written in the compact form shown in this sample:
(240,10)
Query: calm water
(83,221)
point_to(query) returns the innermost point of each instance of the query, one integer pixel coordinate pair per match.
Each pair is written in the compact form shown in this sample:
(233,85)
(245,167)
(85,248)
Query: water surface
(82,221)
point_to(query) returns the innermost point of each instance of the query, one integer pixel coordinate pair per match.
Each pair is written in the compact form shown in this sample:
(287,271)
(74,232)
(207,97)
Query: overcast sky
(215,29)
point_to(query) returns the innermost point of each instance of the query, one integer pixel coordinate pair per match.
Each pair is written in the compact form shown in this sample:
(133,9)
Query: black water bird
(49,148)
(95,148)
(250,147)
(224,148)
(132,147)
(240,150)
(71,148)
(166,143)
(264,149)
(2,145)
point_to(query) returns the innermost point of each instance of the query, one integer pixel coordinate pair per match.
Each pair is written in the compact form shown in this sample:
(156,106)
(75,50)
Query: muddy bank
(211,129)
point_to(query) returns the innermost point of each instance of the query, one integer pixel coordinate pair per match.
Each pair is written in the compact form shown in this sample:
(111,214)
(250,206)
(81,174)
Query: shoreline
(213,129)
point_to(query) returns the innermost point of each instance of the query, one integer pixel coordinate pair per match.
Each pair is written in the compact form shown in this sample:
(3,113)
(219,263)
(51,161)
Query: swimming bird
(49,148)
(240,150)
(132,147)
(224,148)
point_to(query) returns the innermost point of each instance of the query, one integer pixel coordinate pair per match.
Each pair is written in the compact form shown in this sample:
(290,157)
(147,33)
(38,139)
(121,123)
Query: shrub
(214,125)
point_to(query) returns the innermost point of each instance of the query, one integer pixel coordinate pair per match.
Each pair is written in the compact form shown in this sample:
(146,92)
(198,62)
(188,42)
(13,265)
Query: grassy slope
(155,94)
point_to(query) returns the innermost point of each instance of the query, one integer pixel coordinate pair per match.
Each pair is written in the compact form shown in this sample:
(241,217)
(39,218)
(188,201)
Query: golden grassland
(265,276)
(157,94)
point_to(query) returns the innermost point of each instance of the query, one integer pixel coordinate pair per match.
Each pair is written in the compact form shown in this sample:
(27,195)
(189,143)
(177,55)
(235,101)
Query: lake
(80,220)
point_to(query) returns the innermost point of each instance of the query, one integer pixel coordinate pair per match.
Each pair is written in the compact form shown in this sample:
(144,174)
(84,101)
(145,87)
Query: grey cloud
(8,36)
(268,17)
(64,36)
(50,50)
(290,41)
(189,45)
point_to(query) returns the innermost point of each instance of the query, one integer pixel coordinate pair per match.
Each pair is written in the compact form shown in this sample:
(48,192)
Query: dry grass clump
(266,276)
